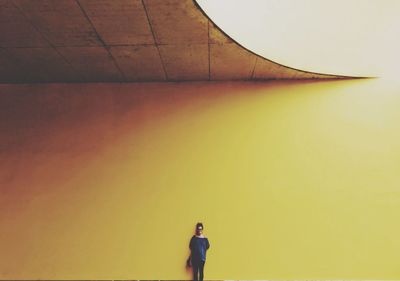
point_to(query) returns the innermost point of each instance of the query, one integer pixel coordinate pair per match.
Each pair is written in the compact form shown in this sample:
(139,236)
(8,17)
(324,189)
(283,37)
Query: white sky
(349,37)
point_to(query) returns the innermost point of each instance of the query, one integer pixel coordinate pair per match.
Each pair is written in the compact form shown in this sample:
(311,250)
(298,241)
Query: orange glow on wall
(292,180)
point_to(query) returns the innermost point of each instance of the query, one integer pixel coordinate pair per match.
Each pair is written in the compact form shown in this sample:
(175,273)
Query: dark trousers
(198,270)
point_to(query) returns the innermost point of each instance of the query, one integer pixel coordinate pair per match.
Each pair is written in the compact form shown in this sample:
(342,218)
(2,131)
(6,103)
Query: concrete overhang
(124,41)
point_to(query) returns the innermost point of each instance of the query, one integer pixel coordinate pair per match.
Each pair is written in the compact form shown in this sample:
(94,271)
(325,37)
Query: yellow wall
(291,180)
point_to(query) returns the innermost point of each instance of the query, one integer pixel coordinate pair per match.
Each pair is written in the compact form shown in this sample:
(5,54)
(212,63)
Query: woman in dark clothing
(198,245)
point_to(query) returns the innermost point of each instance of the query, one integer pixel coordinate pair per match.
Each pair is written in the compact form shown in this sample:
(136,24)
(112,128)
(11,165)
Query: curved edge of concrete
(265,69)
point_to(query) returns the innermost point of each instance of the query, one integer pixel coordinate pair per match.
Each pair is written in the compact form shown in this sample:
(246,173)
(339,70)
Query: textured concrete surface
(123,41)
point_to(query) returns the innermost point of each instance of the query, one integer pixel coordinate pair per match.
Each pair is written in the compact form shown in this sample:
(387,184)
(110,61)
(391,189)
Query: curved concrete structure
(123,41)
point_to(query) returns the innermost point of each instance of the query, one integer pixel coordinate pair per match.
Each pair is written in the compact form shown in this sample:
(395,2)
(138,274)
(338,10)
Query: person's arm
(208,243)
(191,244)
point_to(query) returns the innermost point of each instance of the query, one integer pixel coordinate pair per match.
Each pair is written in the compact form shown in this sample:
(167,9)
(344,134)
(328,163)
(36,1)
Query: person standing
(199,245)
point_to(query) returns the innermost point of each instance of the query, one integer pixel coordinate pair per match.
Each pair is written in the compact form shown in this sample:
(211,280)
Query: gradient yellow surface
(291,180)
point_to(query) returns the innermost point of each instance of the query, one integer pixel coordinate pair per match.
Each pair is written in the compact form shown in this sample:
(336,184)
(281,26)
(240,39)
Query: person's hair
(199,224)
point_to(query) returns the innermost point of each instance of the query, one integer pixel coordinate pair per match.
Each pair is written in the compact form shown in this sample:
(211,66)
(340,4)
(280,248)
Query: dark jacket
(199,246)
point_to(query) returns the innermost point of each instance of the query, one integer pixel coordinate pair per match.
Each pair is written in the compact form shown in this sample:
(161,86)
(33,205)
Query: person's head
(199,228)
